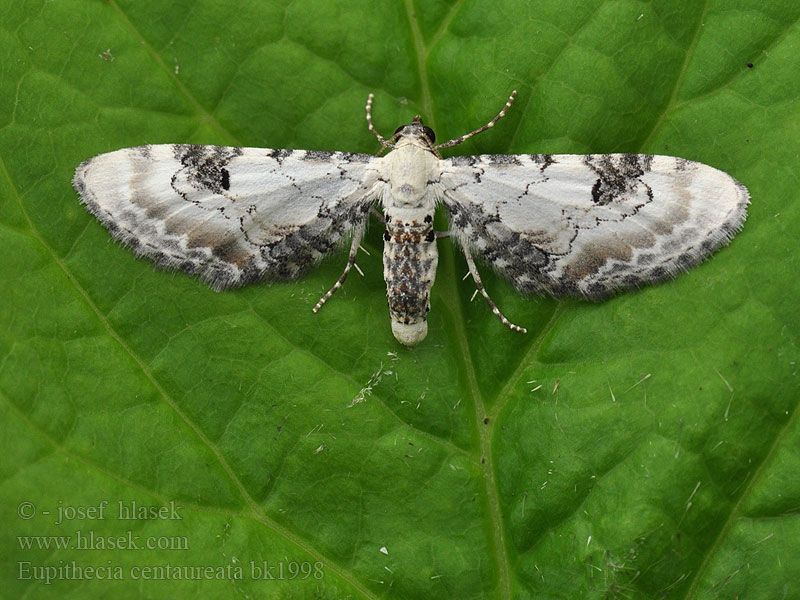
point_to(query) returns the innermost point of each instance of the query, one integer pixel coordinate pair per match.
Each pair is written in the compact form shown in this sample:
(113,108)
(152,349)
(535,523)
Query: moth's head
(415,130)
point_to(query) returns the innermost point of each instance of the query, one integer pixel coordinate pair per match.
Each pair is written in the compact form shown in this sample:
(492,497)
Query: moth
(566,225)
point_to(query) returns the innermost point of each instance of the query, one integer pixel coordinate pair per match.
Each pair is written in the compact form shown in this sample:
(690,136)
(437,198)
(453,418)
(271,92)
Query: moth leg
(358,234)
(458,140)
(442,234)
(377,214)
(479,284)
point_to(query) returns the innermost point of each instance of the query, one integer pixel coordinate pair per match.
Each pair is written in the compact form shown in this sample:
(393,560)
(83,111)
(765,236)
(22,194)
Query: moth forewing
(231,216)
(590,225)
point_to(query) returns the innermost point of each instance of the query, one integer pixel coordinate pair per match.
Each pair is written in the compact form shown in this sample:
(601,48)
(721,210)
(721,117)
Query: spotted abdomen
(409,267)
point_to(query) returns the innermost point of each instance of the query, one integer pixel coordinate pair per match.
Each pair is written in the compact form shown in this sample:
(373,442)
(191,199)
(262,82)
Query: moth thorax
(410,334)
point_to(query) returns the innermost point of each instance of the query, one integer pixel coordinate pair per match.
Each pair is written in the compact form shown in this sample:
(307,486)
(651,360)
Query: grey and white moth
(566,225)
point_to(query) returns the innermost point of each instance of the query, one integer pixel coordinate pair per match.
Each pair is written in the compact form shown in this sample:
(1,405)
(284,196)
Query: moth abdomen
(409,267)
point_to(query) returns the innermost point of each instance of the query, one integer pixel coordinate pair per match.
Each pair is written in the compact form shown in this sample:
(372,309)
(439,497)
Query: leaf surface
(644,447)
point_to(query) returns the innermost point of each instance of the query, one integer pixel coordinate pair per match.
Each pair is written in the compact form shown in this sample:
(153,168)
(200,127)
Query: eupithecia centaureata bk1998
(560,224)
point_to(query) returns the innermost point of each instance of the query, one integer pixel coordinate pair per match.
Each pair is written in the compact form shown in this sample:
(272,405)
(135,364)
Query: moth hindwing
(565,225)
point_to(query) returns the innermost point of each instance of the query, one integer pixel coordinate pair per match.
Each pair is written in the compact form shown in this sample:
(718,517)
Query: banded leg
(500,115)
(479,284)
(358,234)
(377,214)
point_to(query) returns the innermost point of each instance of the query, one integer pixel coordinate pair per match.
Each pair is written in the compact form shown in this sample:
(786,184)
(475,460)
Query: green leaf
(644,447)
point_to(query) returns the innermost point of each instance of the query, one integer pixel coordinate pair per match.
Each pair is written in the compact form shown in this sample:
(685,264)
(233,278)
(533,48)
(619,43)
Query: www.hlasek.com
(89,540)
